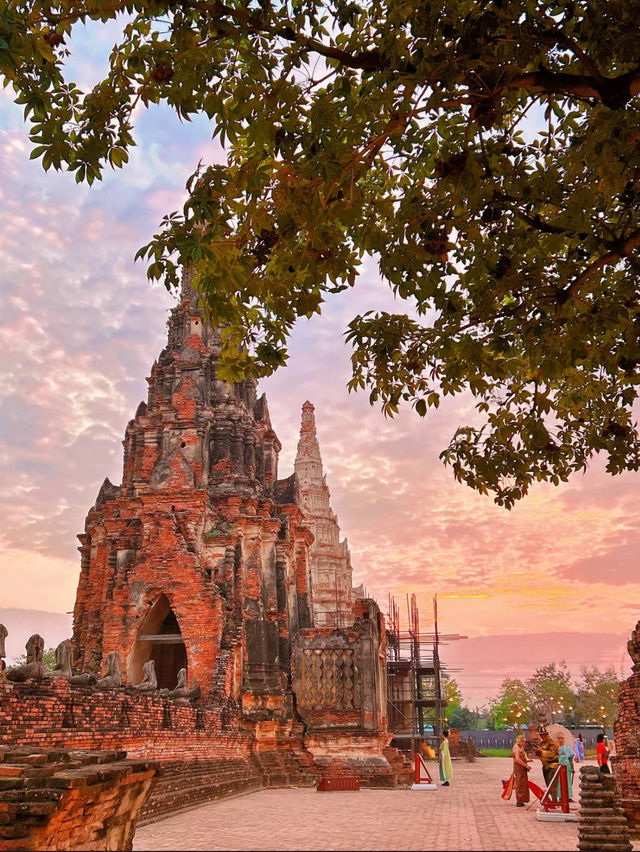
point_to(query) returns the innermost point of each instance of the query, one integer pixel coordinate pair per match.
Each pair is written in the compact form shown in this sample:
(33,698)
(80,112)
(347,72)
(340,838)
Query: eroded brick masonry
(626,763)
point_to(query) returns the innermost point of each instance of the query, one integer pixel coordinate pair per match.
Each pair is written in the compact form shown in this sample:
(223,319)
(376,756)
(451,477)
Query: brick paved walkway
(469,815)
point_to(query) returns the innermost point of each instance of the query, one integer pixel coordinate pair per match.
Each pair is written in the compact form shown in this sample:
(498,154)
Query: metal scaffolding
(415,675)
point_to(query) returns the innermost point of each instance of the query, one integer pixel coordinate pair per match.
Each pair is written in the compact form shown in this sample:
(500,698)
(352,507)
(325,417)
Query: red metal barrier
(421,773)
(563,805)
(332,783)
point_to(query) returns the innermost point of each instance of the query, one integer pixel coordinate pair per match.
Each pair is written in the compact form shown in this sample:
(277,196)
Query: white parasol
(554,729)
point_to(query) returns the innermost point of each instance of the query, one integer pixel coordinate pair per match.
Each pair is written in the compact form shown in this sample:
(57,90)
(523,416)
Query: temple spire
(330,559)
(308,464)
(187,293)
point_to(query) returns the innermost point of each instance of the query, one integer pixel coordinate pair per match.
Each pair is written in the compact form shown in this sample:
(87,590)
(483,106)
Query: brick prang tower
(199,559)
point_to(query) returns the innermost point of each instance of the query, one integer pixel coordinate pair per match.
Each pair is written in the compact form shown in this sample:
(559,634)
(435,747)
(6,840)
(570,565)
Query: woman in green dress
(446,770)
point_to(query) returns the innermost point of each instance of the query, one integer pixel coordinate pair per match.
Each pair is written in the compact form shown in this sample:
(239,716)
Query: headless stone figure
(82,679)
(181,686)
(633,647)
(182,690)
(149,682)
(112,679)
(62,667)
(3,635)
(34,667)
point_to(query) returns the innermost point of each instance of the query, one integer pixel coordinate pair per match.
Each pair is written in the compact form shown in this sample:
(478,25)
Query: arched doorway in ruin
(159,639)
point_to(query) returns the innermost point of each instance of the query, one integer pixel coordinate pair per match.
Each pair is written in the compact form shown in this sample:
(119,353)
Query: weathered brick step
(283,771)
(66,776)
(281,780)
(205,771)
(187,780)
(166,803)
(27,758)
(27,795)
(397,759)
(50,757)
(13,826)
(266,771)
(35,809)
(284,768)
(179,784)
(189,794)
(12,784)
(14,831)
(11,770)
(7,819)
(293,769)
(174,782)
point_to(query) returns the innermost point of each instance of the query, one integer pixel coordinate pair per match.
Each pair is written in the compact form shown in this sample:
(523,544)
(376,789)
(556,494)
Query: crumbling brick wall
(626,763)
(55,714)
(201,748)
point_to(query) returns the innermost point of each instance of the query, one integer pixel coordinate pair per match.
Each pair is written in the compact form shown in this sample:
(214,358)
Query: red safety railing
(563,804)
(334,783)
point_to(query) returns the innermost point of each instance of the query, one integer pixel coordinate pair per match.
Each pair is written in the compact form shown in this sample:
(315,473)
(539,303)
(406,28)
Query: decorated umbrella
(554,731)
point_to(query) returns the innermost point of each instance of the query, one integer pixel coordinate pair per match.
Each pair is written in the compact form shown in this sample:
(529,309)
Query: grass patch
(496,752)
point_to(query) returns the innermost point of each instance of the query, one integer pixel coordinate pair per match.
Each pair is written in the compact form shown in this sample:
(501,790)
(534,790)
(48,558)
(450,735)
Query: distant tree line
(551,693)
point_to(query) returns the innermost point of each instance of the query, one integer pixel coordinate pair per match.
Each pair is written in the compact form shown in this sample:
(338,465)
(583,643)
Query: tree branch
(366,60)
(557,37)
(614,92)
(619,249)
(539,224)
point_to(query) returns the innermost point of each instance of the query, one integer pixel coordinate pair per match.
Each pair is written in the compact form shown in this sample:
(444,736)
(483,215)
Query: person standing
(602,754)
(565,757)
(548,751)
(578,747)
(446,770)
(520,771)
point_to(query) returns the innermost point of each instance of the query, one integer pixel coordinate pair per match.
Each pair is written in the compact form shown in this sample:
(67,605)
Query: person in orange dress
(520,769)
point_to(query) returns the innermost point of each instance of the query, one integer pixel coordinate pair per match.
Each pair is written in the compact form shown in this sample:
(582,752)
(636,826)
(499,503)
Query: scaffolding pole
(415,676)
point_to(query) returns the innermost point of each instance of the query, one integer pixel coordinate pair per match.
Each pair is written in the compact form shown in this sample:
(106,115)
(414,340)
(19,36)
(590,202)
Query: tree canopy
(597,696)
(485,153)
(551,693)
(511,708)
(452,694)
(463,719)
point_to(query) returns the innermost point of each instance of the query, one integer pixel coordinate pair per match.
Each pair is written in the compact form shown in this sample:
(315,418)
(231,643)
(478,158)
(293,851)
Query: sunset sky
(555,578)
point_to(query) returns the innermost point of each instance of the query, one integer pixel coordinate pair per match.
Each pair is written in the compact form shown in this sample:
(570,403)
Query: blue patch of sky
(167,148)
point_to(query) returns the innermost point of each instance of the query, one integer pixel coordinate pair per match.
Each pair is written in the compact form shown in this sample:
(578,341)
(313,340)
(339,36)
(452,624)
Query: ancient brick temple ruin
(215,601)
(626,763)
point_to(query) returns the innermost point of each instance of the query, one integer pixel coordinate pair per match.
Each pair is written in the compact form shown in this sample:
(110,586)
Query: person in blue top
(565,757)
